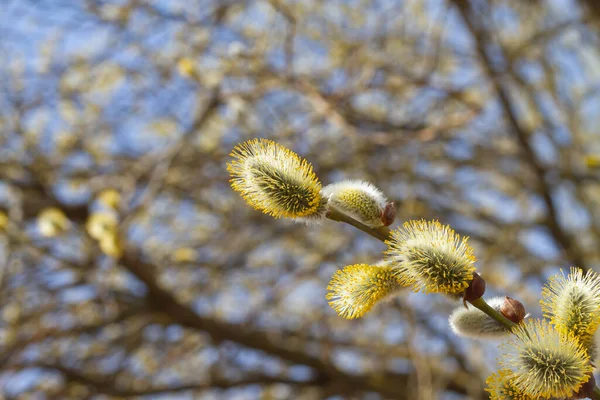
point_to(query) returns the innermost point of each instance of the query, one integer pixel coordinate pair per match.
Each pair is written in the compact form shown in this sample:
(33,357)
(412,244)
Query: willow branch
(383,234)
(485,307)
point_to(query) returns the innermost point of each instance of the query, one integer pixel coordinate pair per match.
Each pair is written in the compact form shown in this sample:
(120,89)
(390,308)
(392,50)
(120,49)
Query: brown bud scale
(513,310)
(388,215)
(476,288)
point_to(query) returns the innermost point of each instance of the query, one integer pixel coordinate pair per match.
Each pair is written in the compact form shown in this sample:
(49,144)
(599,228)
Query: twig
(485,307)
(383,234)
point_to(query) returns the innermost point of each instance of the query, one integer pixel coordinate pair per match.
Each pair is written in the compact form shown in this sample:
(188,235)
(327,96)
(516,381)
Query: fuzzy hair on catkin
(276,181)
(359,199)
(356,289)
(545,362)
(474,323)
(594,349)
(431,257)
(572,303)
(501,386)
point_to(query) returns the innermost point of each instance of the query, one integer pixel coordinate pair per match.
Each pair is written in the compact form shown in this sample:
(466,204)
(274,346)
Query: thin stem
(383,234)
(485,307)
(596,394)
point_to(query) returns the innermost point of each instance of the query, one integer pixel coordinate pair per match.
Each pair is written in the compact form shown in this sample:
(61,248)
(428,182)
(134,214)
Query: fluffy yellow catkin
(572,303)
(501,386)
(545,362)
(276,181)
(354,290)
(431,257)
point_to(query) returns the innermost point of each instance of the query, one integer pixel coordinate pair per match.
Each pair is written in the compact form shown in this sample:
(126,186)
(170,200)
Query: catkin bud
(474,323)
(431,257)
(354,290)
(275,180)
(545,362)
(572,303)
(360,200)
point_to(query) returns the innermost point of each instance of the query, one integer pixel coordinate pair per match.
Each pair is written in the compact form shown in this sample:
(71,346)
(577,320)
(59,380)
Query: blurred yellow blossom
(52,222)
(101,224)
(3,220)
(186,67)
(109,198)
(592,160)
(184,254)
(112,245)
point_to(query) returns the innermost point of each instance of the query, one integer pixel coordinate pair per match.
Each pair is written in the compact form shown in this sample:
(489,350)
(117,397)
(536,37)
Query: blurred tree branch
(482,42)
(485,122)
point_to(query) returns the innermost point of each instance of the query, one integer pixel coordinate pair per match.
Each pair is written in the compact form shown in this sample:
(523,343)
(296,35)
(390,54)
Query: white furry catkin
(361,200)
(474,323)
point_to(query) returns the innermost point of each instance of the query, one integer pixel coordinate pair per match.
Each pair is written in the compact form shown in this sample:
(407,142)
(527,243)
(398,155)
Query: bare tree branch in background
(131,269)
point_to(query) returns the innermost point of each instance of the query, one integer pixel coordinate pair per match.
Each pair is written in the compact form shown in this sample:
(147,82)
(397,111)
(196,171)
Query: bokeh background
(130,269)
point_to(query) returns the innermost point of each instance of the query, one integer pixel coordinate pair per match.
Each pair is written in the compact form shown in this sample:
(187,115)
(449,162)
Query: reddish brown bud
(513,310)
(388,215)
(475,290)
(587,389)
